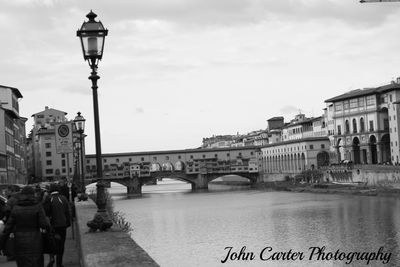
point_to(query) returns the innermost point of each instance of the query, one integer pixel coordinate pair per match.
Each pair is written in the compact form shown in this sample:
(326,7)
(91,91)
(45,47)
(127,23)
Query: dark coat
(26,219)
(11,202)
(58,210)
(64,190)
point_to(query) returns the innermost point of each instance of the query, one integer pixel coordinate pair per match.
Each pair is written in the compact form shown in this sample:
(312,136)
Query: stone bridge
(199,181)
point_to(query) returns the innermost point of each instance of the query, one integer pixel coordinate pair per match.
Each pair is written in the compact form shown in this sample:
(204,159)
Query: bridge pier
(134,187)
(200,183)
(259,178)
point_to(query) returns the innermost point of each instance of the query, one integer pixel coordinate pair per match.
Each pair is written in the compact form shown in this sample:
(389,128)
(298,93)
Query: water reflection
(180,228)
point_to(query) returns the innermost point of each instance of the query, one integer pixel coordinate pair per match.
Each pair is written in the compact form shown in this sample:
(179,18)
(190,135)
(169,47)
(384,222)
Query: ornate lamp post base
(101,220)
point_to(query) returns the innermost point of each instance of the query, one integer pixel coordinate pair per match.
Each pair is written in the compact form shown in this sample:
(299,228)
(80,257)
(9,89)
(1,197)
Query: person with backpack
(26,219)
(57,209)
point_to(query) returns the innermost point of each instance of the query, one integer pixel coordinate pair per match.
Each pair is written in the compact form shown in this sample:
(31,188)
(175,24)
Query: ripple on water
(180,228)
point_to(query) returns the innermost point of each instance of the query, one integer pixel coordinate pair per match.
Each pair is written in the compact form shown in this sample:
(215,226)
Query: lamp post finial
(91,16)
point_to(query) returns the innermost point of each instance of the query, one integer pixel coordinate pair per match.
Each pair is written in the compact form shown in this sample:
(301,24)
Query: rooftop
(15,90)
(49,109)
(276,119)
(364,92)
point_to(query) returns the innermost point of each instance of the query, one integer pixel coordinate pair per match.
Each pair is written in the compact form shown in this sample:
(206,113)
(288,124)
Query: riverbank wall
(106,249)
(379,176)
(386,176)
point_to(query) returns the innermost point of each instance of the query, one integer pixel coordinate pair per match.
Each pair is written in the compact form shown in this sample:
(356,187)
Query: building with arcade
(365,128)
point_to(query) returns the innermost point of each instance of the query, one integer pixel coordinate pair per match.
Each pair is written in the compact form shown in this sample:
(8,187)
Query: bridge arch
(385,148)
(323,159)
(285,163)
(303,161)
(298,162)
(173,175)
(291,168)
(128,183)
(249,177)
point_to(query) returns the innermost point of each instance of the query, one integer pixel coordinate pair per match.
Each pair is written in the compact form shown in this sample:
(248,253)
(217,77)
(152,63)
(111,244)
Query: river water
(180,228)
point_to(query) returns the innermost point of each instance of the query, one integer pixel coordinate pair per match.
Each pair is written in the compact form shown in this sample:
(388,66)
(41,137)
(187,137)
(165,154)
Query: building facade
(298,128)
(296,146)
(45,163)
(295,156)
(365,123)
(13,169)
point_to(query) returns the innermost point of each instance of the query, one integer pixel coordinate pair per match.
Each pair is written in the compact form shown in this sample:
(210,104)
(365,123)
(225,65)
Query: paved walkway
(70,259)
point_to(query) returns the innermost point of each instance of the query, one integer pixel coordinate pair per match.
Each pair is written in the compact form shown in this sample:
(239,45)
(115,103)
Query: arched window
(347,130)
(354,125)
(362,126)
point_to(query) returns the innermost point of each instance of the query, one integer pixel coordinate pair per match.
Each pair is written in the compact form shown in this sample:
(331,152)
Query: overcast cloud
(175,71)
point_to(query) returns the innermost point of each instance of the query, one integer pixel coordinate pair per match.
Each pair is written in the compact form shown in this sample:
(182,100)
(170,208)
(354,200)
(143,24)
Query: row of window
(360,102)
(167,157)
(9,140)
(16,132)
(189,169)
(63,170)
(357,102)
(354,124)
(291,149)
(10,161)
(48,154)
(49,162)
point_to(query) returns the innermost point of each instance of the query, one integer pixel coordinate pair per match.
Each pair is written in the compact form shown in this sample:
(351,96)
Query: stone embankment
(328,188)
(106,249)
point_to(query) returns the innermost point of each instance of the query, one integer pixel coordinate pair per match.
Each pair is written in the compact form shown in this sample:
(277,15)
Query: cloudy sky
(175,71)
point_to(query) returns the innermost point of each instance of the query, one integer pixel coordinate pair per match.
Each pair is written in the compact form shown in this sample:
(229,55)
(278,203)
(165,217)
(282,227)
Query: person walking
(25,221)
(12,200)
(57,209)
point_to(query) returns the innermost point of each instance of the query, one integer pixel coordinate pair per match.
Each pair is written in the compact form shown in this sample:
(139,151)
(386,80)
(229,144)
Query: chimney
(46,107)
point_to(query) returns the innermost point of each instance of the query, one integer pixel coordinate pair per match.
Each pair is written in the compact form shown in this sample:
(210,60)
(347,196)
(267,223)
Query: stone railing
(350,166)
(106,249)
(377,167)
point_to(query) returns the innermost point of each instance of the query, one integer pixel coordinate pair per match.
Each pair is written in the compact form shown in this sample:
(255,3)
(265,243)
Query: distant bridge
(195,166)
(198,181)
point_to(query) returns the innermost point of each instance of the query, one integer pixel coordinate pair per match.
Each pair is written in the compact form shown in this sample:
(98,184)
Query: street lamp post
(80,127)
(92,35)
